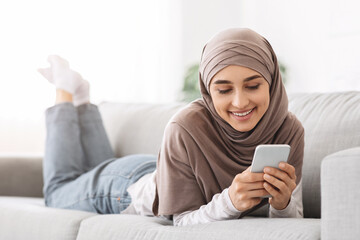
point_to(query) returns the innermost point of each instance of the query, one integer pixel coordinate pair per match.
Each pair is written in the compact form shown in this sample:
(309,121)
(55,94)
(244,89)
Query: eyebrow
(245,80)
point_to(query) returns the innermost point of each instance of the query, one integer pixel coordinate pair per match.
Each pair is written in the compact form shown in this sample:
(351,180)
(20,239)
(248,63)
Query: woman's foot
(73,87)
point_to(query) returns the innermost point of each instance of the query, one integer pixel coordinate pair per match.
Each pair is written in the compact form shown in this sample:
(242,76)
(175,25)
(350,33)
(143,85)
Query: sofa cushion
(28,218)
(137,227)
(340,211)
(331,122)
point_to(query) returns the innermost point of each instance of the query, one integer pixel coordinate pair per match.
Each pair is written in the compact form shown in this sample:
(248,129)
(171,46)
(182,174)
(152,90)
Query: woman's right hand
(246,190)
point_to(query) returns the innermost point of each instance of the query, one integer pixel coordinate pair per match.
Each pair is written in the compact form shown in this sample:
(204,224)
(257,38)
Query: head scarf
(244,47)
(202,153)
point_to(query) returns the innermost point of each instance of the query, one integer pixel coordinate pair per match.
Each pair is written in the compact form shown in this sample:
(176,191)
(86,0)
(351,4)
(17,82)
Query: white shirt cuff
(228,203)
(287,212)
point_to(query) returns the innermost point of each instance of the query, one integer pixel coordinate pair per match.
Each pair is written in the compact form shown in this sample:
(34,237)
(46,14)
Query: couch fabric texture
(332,154)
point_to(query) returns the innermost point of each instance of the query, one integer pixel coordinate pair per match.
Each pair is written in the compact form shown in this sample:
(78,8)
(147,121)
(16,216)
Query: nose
(240,100)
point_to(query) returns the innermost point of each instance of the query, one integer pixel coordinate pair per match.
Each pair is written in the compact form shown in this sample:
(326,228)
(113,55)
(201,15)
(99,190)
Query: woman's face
(240,96)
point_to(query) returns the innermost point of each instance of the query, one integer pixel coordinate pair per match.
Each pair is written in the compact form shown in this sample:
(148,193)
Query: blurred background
(148,50)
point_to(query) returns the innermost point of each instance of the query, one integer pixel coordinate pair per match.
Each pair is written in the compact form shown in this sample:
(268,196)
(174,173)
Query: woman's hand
(280,184)
(246,189)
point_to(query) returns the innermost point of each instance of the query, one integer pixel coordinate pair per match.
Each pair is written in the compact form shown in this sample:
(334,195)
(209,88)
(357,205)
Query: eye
(224,91)
(253,87)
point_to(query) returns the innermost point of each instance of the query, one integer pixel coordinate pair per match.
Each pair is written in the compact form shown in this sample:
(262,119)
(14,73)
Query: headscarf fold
(202,153)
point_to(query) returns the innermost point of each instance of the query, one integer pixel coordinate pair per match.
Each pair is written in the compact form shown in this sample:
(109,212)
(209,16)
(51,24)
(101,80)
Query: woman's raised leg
(64,157)
(80,171)
(68,184)
(94,140)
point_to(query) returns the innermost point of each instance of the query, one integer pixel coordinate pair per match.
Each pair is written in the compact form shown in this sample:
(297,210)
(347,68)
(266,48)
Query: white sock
(64,78)
(61,75)
(82,94)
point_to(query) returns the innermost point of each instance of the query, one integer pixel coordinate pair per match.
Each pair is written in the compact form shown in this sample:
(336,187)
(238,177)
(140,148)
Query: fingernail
(282,165)
(266,176)
(267,170)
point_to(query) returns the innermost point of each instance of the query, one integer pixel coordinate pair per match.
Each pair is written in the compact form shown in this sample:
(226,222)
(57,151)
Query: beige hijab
(201,153)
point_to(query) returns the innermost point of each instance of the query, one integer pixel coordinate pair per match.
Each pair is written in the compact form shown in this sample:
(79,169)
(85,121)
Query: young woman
(202,172)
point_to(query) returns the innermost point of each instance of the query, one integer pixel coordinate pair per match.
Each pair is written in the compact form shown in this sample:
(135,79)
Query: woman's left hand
(280,184)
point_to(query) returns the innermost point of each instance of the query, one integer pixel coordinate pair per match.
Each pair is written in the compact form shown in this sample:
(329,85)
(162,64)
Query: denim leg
(104,188)
(64,156)
(95,143)
(67,181)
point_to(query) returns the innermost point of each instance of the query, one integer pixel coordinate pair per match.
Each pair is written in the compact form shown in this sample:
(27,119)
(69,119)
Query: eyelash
(254,87)
(228,90)
(224,91)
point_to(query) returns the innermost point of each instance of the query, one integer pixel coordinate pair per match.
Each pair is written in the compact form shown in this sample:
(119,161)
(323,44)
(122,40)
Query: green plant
(191,88)
(283,72)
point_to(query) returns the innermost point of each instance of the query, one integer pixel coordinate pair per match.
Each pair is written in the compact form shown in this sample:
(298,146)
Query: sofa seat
(137,227)
(28,218)
(40,222)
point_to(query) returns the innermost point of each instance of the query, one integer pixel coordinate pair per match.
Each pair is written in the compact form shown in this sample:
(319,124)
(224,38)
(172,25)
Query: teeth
(242,114)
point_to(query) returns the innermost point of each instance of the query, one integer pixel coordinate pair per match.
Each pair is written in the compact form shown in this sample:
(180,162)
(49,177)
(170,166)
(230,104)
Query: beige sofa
(332,152)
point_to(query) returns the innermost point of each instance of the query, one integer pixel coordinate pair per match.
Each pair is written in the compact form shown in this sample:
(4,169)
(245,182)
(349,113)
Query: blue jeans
(80,170)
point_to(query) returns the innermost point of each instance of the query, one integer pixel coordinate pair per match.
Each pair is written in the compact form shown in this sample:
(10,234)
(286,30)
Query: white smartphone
(269,155)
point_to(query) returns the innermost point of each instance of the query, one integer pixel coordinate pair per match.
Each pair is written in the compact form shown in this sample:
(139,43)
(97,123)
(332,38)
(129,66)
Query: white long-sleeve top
(219,208)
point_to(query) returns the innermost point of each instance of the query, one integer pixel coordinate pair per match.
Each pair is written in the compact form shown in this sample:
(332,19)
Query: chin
(244,129)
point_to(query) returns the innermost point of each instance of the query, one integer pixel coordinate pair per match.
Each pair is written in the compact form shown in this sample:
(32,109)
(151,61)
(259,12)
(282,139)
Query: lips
(242,114)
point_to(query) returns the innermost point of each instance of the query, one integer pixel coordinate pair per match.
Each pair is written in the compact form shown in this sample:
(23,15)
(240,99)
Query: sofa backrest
(331,122)
(134,128)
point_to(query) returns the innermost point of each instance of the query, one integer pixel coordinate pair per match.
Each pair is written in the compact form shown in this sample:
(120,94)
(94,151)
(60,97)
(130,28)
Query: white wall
(201,20)
(128,50)
(318,41)
(113,44)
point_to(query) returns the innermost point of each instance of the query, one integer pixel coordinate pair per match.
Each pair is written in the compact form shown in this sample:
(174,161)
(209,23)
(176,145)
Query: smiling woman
(240,96)
(203,166)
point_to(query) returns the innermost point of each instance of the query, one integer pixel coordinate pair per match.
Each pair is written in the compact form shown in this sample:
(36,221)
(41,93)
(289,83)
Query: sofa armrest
(21,176)
(340,195)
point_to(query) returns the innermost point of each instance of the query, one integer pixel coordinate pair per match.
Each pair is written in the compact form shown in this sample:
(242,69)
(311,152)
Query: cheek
(220,103)
(262,100)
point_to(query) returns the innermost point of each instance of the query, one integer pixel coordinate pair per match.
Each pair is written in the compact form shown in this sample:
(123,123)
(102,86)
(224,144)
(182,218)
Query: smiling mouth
(243,114)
